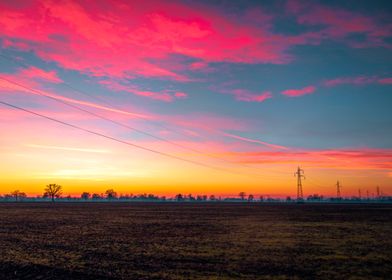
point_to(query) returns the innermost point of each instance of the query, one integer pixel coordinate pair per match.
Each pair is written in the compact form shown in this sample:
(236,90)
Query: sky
(201,97)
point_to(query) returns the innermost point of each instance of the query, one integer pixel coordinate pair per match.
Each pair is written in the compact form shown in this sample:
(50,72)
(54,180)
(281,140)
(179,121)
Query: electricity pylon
(359,193)
(378,192)
(338,186)
(299,174)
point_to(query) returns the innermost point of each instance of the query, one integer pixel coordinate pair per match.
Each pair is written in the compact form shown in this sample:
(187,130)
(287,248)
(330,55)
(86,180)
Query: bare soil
(195,241)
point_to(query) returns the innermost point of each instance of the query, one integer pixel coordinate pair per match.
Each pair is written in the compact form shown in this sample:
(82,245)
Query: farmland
(195,241)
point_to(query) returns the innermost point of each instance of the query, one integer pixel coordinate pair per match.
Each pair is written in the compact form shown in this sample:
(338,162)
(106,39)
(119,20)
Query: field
(195,241)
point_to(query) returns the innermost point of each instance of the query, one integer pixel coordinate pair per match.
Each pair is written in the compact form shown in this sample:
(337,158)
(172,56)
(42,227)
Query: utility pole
(338,186)
(359,193)
(299,174)
(378,192)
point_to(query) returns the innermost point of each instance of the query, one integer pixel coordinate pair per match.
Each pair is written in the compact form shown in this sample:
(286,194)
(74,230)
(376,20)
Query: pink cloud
(199,65)
(180,95)
(250,140)
(248,96)
(39,74)
(338,23)
(136,40)
(359,80)
(11,83)
(243,94)
(164,95)
(207,122)
(299,92)
(385,81)
(31,77)
(118,39)
(340,159)
(208,125)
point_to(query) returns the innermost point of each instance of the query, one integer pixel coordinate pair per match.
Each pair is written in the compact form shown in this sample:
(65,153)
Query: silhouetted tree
(111,194)
(242,195)
(85,195)
(179,197)
(52,191)
(315,197)
(250,197)
(212,197)
(96,196)
(18,195)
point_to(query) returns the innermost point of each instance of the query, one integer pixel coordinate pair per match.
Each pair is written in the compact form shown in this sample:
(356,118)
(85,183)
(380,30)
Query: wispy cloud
(164,95)
(248,96)
(358,80)
(40,74)
(71,149)
(338,24)
(365,158)
(299,92)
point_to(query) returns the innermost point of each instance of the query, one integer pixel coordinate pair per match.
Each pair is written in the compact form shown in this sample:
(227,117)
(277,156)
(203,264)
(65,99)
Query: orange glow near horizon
(39,153)
(192,97)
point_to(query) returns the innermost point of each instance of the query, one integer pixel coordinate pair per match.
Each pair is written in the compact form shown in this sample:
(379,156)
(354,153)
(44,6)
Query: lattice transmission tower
(299,174)
(338,186)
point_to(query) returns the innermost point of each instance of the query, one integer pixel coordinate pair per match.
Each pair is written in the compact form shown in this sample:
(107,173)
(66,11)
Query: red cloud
(127,40)
(299,92)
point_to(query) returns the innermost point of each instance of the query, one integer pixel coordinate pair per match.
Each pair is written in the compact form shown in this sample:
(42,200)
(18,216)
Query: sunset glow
(170,97)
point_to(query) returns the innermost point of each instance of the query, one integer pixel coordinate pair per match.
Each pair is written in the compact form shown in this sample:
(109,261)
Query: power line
(41,93)
(136,115)
(95,114)
(111,138)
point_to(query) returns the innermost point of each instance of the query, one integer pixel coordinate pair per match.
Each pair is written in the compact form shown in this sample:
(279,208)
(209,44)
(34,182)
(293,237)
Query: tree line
(54,192)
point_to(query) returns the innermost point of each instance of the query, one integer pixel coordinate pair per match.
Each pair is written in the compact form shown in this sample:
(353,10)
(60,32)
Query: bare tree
(18,195)
(242,195)
(53,190)
(85,195)
(111,194)
(179,197)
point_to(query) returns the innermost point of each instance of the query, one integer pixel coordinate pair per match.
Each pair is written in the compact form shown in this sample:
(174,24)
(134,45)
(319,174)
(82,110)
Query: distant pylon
(338,186)
(300,174)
